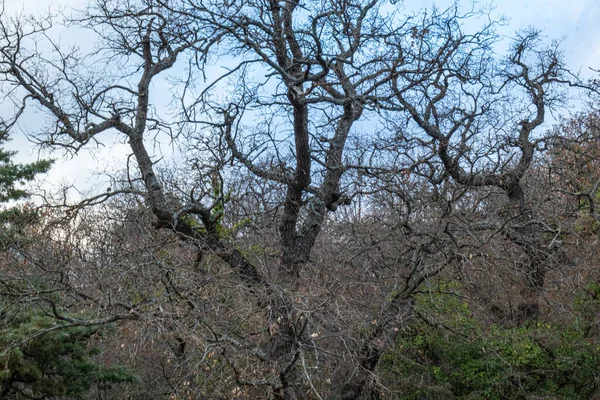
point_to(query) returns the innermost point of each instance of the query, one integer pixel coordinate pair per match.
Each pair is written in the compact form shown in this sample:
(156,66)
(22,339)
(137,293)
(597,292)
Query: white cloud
(38,7)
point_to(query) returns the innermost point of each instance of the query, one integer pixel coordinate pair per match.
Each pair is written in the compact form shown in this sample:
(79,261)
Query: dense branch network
(355,131)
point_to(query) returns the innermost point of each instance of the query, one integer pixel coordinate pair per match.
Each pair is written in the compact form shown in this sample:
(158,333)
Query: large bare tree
(354,129)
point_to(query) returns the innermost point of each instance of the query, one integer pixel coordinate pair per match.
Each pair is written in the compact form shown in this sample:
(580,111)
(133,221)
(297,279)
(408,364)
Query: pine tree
(15,218)
(40,357)
(12,175)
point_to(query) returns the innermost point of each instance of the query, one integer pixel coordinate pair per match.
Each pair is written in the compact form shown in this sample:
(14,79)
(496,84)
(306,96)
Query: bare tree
(359,132)
(481,117)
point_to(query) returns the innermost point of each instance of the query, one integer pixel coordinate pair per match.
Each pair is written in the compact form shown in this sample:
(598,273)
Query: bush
(446,353)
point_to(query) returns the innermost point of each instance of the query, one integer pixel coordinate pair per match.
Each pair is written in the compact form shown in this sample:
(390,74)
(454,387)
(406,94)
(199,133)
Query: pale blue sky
(576,20)
(579,20)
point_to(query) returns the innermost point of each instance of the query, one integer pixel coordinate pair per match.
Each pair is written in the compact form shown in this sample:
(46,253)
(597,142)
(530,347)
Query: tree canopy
(357,195)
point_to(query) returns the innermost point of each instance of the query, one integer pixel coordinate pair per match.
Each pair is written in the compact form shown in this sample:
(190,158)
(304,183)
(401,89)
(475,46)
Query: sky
(574,20)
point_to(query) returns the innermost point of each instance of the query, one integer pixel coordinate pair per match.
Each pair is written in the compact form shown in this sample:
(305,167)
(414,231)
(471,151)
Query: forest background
(345,199)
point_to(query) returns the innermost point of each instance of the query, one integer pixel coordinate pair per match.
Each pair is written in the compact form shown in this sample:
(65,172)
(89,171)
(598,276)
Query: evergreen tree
(40,356)
(14,219)
(42,359)
(12,175)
